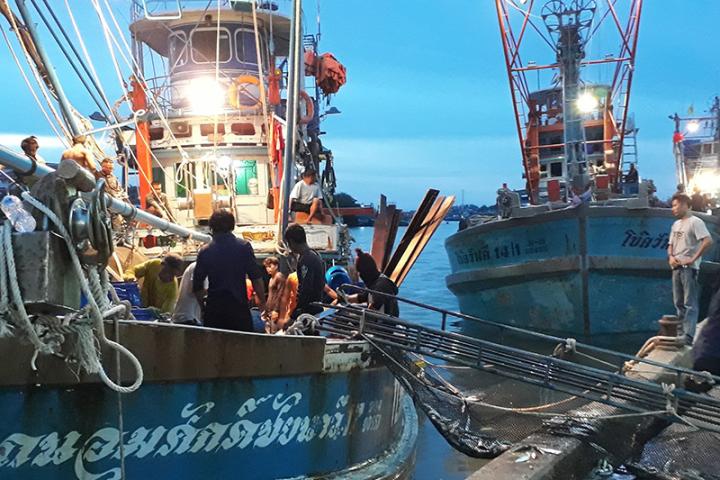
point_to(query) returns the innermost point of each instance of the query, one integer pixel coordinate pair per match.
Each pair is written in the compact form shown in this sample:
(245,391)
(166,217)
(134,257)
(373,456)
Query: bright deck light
(707,181)
(587,103)
(206,96)
(693,126)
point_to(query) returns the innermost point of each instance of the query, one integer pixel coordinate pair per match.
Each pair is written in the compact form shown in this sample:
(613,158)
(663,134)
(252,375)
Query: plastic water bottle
(14,210)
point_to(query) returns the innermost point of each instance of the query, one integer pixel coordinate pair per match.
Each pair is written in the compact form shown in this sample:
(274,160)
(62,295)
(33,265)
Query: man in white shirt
(187,309)
(689,239)
(306,197)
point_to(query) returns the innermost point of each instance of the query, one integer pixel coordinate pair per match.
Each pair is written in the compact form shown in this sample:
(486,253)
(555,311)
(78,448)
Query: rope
(520,411)
(20,315)
(92,363)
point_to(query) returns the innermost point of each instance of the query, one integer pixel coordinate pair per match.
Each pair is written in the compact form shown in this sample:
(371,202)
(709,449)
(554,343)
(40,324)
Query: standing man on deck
(80,154)
(689,239)
(310,272)
(276,289)
(227,262)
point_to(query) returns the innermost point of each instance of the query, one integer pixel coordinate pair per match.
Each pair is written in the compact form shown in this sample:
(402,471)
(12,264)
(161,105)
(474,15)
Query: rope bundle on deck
(46,333)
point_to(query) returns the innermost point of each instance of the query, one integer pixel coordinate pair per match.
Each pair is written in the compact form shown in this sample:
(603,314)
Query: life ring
(309,108)
(233,90)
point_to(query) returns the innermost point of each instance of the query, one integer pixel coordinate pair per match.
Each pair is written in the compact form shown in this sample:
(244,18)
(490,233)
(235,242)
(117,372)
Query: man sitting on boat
(306,198)
(226,263)
(689,239)
(80,154)
(156,202)
(159,287)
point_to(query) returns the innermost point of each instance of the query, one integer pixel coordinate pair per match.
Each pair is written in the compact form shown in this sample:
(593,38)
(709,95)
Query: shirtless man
(276,289)
(80,154)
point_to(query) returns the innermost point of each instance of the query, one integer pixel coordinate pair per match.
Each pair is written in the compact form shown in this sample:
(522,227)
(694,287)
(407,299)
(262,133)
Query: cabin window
(178,50)
(204,42)
(245,46)
(556,169)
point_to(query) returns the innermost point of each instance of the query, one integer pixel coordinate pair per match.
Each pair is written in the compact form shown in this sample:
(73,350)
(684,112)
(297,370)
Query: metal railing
(617,390)
(445,314)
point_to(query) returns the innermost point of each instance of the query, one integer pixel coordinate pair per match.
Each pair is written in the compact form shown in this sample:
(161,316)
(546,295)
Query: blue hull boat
(215,404)
(587,272)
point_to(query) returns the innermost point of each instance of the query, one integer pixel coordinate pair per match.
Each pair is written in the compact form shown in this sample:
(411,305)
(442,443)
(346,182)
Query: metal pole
(52,77)
(22,163)
(291,107)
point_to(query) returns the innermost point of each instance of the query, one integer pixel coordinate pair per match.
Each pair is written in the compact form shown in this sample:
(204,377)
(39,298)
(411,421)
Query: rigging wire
(54,128)
(70,60)
(41,83)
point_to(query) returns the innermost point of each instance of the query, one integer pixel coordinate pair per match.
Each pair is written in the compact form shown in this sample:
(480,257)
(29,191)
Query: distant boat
(599,268)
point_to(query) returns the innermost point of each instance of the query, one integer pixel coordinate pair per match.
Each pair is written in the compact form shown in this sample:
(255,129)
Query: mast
(49,69)
(21,163)
(568,25)
(294,67)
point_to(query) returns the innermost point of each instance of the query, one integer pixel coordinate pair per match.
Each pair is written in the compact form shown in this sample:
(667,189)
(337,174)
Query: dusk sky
(427,102)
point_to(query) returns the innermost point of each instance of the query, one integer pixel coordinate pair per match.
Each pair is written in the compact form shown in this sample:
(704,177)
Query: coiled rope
(95,288)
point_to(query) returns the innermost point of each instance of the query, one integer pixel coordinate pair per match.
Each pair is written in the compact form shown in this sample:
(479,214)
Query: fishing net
(483,415)
(680,452)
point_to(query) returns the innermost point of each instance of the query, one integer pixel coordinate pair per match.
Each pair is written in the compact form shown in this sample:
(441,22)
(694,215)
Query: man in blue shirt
(226,262)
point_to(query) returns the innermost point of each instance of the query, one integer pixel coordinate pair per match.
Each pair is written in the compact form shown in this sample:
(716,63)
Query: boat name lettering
(193,435)
(511,249)
(645,240)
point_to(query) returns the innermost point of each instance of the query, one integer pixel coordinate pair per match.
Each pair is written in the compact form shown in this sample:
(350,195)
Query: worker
(630,184)
(374,280)
(156,202)
(288,302)
(81,154)
(689,239)
(276,288)
(310,272)
(698,202)
(306,197)
(226,263)
(187,310)
(159,281)
(112,184)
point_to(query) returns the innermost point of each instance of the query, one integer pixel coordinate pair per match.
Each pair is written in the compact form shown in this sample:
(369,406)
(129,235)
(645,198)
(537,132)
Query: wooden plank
(430,231)
(417,220)
(407,253)
(381,230)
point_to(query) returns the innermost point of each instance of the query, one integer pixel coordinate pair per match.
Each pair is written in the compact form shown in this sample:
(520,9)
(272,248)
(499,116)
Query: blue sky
(427,102)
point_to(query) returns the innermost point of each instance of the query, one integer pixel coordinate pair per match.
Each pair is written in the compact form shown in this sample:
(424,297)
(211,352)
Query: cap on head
(106,160)
(79,139)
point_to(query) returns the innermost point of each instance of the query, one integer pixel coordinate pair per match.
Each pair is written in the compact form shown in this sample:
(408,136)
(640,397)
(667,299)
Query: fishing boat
(94,393)
(587,255)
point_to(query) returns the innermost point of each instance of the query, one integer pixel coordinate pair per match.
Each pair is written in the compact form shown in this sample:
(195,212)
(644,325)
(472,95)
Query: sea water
(426,283)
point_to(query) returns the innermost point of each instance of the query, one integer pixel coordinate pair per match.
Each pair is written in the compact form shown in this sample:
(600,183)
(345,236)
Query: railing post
(444,320)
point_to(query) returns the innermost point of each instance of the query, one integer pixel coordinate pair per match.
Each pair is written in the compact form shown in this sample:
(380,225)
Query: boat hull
(330,413)
(589,271)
